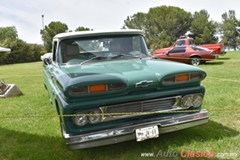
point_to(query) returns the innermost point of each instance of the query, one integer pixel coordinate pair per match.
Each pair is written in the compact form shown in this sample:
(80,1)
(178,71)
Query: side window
(182,49)
(54,51)
(195,48)
(136,44)
(177,50)
(139,45)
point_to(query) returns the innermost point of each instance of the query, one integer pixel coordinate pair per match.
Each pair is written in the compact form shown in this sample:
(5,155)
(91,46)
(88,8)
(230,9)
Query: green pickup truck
(107,89)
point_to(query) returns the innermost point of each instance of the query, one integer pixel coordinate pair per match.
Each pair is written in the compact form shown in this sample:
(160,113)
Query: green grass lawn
(26,137)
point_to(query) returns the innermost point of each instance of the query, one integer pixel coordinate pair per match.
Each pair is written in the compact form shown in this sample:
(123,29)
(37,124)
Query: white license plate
(147,133)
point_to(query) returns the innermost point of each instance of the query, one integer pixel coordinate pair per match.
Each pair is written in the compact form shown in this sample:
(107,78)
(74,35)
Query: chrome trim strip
(116,135)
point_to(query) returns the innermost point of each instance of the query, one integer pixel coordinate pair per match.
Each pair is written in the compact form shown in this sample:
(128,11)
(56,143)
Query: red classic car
(185,41)
(188,54)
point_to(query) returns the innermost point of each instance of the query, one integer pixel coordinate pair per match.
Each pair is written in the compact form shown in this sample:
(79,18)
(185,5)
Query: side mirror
(47,58)
(47,61)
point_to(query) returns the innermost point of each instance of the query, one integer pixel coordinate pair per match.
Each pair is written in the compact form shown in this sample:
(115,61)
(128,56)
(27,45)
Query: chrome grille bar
(144,106)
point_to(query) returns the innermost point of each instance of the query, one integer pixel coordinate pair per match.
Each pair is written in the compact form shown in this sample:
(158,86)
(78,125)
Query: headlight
(96,116)
(80,120)
(197,100)
(187,101)
(91,116)
(193,100)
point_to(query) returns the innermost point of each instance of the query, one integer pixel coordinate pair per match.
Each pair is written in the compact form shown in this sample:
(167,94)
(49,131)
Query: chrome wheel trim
(195,61)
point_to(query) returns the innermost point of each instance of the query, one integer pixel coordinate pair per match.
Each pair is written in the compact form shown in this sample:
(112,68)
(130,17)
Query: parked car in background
(190,54)
(107,89)
(185,41)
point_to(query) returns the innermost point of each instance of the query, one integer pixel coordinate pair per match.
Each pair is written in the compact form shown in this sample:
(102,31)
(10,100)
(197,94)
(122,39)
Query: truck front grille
(160,104)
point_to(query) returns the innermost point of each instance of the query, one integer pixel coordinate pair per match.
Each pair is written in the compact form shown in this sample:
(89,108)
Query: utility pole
(43,31)
(43,22)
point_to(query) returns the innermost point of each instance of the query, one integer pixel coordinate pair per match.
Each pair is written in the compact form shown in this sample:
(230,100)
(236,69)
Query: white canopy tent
(5,49)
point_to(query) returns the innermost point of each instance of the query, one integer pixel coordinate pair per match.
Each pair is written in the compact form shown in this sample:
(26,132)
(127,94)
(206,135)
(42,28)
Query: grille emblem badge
(144,83)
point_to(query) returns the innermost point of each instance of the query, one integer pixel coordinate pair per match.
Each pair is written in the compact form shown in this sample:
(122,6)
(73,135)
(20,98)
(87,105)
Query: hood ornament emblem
(144,83)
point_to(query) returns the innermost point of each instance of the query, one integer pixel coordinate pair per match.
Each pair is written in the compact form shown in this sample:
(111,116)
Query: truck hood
(129,72)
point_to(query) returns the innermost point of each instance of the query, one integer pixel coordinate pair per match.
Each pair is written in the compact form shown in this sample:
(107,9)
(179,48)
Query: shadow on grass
(214,63)
(223,58)
(204,133)
(19,145)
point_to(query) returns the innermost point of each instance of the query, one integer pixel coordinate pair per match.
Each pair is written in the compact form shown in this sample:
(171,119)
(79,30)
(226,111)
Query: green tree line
(162,25)
(54,28)
(165,24)
(20,51)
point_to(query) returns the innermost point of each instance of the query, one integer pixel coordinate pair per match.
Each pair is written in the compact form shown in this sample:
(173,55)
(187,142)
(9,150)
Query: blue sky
(26,15)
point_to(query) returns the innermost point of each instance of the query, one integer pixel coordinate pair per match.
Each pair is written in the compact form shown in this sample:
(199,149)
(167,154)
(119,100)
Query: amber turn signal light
(182,77)
(97,88)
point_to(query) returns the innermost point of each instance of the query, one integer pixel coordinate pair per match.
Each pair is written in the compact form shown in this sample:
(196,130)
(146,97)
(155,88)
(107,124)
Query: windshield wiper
(126,55)
(91,59)
(119,55)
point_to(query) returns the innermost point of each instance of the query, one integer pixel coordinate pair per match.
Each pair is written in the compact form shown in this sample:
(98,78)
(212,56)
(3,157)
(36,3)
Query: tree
(203,30)
(50,31)
(230,29)
(137,21)
(162,25)
(21,52)
(167,24)
(81,28)
(8,33)
(164,39)
(36,52)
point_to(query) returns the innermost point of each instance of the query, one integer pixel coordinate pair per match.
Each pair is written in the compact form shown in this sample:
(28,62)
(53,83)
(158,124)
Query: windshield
(96,49)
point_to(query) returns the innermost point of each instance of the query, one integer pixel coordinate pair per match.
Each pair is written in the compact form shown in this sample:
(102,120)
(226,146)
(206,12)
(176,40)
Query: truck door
(49,72)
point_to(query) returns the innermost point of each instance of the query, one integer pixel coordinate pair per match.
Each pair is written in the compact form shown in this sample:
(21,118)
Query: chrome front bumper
(126,133)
